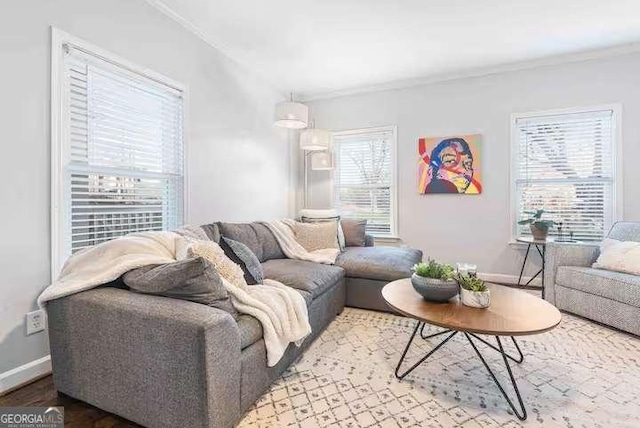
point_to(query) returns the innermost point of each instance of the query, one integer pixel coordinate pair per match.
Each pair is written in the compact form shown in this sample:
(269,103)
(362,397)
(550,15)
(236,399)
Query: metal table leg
(431,335)
(423,359)
(542,249)
(520,413)
(519,360)
(524,263)
(544,252)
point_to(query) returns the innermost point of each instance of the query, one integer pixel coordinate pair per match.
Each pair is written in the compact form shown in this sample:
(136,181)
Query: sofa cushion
(193,279)
(256,236)
(212,231)
(381,263)
(313,277)
(621,287)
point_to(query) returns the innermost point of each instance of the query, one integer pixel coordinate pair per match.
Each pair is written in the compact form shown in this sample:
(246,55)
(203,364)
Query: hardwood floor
(76,413)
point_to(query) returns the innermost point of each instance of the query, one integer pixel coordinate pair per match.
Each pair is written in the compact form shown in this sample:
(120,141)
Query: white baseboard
(21,375)
(509,279)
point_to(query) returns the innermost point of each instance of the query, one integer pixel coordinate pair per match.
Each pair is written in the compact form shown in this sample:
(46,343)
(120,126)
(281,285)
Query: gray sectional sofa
(612,298)
(163,362)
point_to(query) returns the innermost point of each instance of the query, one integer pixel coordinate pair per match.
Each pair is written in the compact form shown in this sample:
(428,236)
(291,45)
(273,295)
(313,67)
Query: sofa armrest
(565,254)
(369,241)
(157,361)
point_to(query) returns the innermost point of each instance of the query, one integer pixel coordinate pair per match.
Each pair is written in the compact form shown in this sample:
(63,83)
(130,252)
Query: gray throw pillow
(354,232)
(212,231)
(193,279)
(241,255)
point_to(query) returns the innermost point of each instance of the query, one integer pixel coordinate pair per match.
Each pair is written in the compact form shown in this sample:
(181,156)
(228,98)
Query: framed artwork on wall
(449,165)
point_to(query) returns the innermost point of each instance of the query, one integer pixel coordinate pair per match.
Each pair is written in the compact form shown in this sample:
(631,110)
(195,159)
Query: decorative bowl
(475,299)
(434,290)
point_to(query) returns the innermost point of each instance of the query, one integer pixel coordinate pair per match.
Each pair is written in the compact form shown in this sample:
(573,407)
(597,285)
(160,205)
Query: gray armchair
(572,285)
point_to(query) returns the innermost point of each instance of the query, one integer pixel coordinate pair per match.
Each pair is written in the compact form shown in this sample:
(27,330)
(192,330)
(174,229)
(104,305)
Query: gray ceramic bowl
(434,290)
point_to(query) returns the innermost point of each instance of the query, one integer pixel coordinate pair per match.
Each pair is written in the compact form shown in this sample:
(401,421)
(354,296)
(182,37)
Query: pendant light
(322,161)
(291,114)
(313,139)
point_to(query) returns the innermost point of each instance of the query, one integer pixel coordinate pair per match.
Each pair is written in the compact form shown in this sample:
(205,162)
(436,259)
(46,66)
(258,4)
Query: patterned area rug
(579,375)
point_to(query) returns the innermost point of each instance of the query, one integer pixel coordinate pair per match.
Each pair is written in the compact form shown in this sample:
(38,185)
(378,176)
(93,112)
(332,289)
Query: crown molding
(590,55)
(406,83)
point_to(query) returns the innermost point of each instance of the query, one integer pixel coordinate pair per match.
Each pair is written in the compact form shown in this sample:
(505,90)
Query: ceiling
(327,46)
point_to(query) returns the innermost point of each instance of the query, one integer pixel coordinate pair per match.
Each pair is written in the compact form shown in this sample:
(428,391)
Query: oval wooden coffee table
(512,313)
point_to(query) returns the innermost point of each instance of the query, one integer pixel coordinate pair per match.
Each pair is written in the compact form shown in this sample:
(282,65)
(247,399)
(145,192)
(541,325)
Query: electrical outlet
(35,321)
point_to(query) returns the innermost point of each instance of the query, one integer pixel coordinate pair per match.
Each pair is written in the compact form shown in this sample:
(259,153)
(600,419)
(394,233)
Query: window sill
(516,244)
(386,238)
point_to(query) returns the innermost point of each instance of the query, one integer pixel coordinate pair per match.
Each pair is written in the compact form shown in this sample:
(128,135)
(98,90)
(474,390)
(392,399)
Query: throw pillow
(241,255)
(191,232)
(354,232)
(317,236)
(619,256)
(193,279)
(212,231)
(310,216)
(212,252)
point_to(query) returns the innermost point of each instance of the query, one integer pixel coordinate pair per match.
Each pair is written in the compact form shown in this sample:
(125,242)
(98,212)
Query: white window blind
(565,165)
(121,152)
(364,182)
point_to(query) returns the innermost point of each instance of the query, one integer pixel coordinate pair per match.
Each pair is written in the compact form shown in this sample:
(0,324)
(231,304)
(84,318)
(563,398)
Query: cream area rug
(579,375)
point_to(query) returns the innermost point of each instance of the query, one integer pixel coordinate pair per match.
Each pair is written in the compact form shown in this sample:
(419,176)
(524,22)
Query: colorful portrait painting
(450,165)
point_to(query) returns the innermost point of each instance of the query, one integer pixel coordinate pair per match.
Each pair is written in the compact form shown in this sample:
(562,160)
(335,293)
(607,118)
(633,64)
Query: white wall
(236,160)
(477,228)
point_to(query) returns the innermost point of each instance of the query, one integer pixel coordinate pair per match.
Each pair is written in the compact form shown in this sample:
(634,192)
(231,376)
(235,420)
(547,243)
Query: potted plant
(473,291)
(539,228)
(434,281)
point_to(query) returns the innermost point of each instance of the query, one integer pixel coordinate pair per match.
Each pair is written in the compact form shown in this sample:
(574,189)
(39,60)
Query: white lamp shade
(322,161)
(292,115)
(314,139)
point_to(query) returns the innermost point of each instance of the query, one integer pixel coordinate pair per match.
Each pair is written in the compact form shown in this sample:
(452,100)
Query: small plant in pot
(434,281)
(473,291)
(539,227)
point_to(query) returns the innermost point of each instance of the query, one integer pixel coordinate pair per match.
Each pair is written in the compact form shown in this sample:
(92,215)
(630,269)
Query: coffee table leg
(431,335)
(522,415)
(519,360)
(423,359)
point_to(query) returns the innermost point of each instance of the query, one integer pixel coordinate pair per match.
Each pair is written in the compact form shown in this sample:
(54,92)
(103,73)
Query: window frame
(60,132)
(616,156)
(393,210)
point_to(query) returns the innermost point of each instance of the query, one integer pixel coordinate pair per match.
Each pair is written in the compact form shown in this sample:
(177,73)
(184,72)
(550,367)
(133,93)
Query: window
(564,163)
(364,178)
(118,155)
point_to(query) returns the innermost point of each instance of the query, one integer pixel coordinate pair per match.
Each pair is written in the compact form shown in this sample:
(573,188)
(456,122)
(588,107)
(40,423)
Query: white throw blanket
(282,230)
(281,310)
(106,262)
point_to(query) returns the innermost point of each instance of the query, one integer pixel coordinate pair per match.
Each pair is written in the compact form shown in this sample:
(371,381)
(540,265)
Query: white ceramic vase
(475,299)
